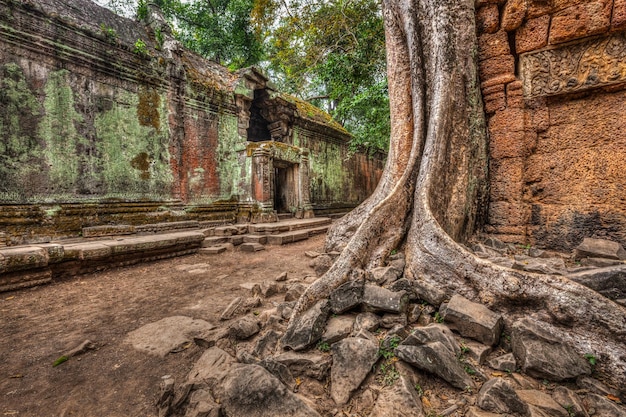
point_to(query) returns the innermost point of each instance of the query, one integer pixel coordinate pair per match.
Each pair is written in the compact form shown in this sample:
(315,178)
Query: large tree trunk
(433,190)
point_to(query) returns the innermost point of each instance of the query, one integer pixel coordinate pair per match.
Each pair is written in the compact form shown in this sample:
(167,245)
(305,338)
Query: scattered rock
(429,293)
(472,320)
(609,281)
(308,328)
(338,328)
(311,364)
(542,355)
(543,402)
(236,307)
(398,400)
(497,396)
(593,385)
(202,404)
(599,248)
(570,401)
(504,363)
(244,328)
(266,344)
(353,359)
(346,296)
(282,277)
(477,351)
(311,254)
(381,299)
(167,335)
(270,288)
(398,262)
(604,407)
(366,321)
(82,348)
(211,368)
(294,292)
(436,358)
(252,391)
(383,275)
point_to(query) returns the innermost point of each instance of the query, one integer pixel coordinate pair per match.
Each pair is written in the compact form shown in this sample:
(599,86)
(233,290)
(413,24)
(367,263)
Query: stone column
(262,177)
(305,209)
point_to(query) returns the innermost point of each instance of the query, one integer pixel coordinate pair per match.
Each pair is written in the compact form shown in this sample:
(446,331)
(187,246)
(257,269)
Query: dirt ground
(41,324)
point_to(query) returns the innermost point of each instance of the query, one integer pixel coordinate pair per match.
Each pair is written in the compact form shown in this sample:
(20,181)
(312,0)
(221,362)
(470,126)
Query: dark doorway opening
(258,129)
(285,196)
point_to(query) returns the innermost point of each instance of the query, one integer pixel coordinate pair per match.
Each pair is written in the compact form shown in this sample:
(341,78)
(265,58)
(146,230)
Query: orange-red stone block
(581,21)
(513,14)
(533,34)
(488,18)
(491,45)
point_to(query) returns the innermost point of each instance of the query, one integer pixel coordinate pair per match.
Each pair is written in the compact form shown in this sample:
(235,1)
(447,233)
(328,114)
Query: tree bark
(433,190)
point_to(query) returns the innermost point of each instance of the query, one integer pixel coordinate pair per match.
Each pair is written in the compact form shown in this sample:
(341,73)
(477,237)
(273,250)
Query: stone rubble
(357,354)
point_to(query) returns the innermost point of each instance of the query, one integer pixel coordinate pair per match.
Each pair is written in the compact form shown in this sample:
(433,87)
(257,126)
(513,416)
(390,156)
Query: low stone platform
(26,266)
(111,246)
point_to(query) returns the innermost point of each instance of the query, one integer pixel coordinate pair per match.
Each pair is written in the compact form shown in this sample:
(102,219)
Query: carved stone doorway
(286,196)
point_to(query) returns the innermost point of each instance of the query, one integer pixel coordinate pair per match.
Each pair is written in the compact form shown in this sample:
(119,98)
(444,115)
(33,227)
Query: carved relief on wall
(575,67)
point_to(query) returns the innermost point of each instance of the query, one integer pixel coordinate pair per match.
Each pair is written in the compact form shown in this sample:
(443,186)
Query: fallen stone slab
(24,279)
(604,407)
(308,328)
(543,402)
(21,258)
(398,400)
(251,247)
(472,320)
(540,354)
(498,396)
(433,333)
(167,335)
(436,358)
(244,328)
(381,299)
(599,248)
(214,240)
(366,321)
(347,296)
(570,401)
(609,281)
(338,328)
(383,275)
(252,391)
(211,368)
(505,363)
(353,359)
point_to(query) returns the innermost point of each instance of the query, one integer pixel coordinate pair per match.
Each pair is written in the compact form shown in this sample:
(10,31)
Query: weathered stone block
(352,362)
(262,239)
(507,213)
(504,363)
(472,320)
(532,35)
(600,248)
(542,401)
(498,396)
(338,328)
(307,329)
(496,67)
(513,14)
(493,45)
(346,296)
(508,145)
(509,120)
(313,365)
(251,247)
(488,18)
(580,21)
(437,359)
(542,355)
(382,299)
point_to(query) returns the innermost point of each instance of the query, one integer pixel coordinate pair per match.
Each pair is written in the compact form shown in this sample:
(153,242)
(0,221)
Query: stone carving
(578,67)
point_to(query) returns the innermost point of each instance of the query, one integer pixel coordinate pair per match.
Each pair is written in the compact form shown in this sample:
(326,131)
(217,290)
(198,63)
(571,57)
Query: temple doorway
(286,196)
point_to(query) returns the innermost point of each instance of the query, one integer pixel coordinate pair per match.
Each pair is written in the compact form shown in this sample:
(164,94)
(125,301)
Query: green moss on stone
(20,152)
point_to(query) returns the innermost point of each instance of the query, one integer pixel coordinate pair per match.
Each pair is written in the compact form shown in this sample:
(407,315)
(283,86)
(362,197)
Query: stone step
(288,237)
(288,225)
(251,247)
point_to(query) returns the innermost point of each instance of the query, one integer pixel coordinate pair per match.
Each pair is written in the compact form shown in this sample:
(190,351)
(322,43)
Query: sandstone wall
(552,76)
(105,120)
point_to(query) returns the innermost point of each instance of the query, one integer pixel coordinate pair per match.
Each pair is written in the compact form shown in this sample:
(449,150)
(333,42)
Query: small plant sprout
(438,317)
(591,358)
(323,347)
(419,390)
(140,47)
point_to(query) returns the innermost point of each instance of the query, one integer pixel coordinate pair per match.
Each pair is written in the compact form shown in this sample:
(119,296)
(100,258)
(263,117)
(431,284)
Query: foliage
(333,53)
(323,347)
(140,47)
(220,30)
(591,358)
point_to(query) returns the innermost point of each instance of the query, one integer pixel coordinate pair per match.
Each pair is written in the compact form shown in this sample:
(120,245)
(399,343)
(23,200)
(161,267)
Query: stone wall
(105,120)
(553,74)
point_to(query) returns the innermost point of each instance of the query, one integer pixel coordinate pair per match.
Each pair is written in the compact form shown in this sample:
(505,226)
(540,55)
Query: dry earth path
(41,324)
